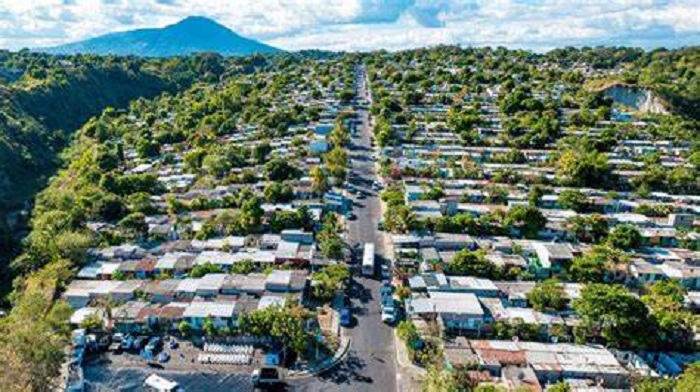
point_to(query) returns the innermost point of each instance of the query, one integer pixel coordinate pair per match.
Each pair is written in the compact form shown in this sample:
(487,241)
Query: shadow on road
(349,371)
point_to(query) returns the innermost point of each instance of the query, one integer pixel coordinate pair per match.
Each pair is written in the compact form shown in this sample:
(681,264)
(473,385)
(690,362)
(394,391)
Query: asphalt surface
(108,378)
(371,361)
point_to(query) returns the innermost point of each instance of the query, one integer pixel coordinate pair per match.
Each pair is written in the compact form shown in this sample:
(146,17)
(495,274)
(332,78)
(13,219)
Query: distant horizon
(364,25)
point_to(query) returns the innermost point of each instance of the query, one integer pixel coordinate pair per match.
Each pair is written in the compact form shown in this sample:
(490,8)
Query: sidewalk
(326,364)
(409,376)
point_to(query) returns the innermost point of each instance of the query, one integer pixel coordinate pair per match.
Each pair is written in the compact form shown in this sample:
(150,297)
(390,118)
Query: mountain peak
(197,21)
(190,35)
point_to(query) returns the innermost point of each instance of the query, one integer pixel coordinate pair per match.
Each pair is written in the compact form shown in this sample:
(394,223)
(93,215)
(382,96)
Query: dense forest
(142,104)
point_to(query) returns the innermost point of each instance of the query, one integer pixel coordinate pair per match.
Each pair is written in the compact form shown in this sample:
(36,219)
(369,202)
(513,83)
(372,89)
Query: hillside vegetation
(49,97)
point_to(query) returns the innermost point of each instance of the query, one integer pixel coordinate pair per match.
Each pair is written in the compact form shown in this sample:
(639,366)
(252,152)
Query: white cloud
(368,24)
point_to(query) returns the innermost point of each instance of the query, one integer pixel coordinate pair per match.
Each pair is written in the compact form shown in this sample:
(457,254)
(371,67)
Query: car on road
(389,314)
(380,225)
(386,272)
(352,216)
(267,376)
(345,317)
(385,290)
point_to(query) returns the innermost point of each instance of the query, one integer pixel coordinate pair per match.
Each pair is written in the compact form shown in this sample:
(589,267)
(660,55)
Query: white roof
(215,257)
(267,301)
(82,314)
(218,243)
(212,309)
(441,302)
(279,277)
(188,285)
(211,282)
(287,249)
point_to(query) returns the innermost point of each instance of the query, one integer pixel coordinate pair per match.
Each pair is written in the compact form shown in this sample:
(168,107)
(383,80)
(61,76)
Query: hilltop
(191,35)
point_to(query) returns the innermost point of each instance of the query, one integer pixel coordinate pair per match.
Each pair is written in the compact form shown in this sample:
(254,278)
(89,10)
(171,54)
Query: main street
(371,361)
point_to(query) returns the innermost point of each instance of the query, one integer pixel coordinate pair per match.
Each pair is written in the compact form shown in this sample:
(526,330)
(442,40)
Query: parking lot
(110,369)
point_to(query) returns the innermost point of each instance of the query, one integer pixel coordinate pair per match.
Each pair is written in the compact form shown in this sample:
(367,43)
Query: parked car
(345,317)
(386,272)
(139,343)
(154,344)
(163,357)
(385,290)
(389,315)
(268,375)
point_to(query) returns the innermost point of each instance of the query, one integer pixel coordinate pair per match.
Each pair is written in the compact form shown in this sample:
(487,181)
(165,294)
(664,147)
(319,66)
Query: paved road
(371,361)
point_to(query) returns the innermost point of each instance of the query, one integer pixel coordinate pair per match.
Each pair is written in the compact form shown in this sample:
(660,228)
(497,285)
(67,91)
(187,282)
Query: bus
(368,260)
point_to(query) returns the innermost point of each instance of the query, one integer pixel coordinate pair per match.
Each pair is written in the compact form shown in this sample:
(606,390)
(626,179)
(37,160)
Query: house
(82,314)
(552,258)
(162,291)
(126,290)
(174,263)
(210,285)
(336,202)
(428,281)
(449,241)
(281,281)
(299,236)
(319,146)
(231,243)
(454,311)
(551,362)
(476,286)
(221,314)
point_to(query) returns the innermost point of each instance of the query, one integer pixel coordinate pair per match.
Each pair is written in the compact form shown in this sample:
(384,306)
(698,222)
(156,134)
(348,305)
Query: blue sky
(369,24)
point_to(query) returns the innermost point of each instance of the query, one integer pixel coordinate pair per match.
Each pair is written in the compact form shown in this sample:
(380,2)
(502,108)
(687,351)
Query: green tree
(561,386)
(208,327)
(200,270)
(548,295)
(471,263)
(666,299)
(243,267)
(185,328)
(534,196)
(438,380)
(573,199)
(280,170)
(611,312)
(625,237)
(135,225)
(655,385)
(319,180)
(588,228)
(584,168)
(690,380)
(529,220)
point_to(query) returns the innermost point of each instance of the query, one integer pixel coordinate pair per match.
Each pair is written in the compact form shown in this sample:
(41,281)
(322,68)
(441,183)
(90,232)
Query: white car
(388,315)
